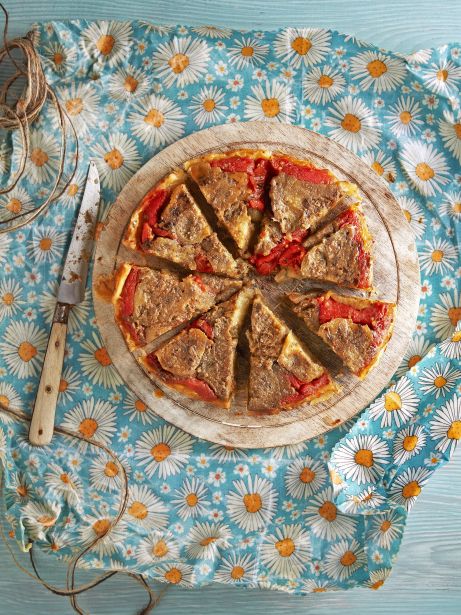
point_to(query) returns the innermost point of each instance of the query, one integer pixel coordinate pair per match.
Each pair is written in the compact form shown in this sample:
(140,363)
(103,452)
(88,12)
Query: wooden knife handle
(42,424)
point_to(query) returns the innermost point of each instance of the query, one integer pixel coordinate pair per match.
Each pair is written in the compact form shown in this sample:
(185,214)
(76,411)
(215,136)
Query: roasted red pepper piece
(304,173)
(128,291)
(292,256)
(152,205)
(234,164)
(304,389)
(371,316)
(204,326)
(203,264)
(258,182)
(201,388)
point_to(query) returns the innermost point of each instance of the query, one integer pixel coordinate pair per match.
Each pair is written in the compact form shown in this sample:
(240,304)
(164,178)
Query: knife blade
(71,292)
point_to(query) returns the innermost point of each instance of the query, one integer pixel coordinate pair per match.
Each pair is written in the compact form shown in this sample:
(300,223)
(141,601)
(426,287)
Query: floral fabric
(325,514)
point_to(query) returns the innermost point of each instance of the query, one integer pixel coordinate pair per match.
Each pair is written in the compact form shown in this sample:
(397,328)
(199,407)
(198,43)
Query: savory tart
(356,329)
(149,302)
(200,360)
(235,186)
(282,373)
(169,224)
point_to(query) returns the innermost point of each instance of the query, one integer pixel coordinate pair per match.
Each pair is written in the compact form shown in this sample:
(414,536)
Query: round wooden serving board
(396,278)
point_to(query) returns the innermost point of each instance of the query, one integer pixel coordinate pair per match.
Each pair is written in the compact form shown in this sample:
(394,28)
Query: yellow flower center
(385,525)
(4,401)
(301,45)
(437,256)
(285,547)
(351,123)
(237,573)
(377,584)
(26,351)
(440,382)
(306,475)
(160,452)
(392,401)
(252,502)
(74,106)
(319,590)
(65,478)
(376,68)
(208,541)
(105,44)
(454,433)
(39,157)
(114,159)
(140,406)
(101,527)
(8,298)
(21,490)
(130,84)
(424,171)
(456,207)
(457,128)
(409,442)
(377,167)
(442,74)
(45,244)
(348,558)
(58,58)
(364,457)
(110,469)
(270,107)
(160,549)
(416,358)
(102,357)
(456,337)
(247,51)
(138,510)
(191,499)
(173,576)
(328,511)
(63,385)
(405,117)
(154,118)
(411,490)
(178,63)
(14,205)
(88,427)
(72,190)
(325,81)
(454,314)
(209,104)
(46,520)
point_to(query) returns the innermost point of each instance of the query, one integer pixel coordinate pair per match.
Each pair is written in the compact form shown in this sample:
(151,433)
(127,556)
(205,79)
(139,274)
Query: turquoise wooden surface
(427,577)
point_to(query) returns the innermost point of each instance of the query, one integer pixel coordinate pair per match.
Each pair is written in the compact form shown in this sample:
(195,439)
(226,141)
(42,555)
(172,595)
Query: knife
(71,292)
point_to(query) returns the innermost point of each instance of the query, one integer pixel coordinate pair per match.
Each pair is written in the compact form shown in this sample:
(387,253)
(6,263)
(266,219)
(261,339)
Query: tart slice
(235,186)
(200,360)
(149,302)
(282,373)
(356,329)
(169,224)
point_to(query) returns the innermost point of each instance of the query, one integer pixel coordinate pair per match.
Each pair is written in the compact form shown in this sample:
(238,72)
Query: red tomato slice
(304,173)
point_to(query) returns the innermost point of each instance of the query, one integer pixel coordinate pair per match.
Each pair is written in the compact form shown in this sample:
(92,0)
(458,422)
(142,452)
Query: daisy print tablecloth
(329,513)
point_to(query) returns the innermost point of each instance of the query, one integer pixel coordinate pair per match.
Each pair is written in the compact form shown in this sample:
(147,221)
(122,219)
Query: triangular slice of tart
(169,224)
(282,373)
(356,329)
(235,186)
(150,302)
(200,361)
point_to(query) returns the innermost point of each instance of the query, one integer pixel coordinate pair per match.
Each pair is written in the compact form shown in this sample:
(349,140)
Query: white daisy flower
(117,159)
(304,477)
(419,57)
(443,77)
(158,29)
(107,41)
(191,499)
(205,540)
(159,546)
(91,419)
(22,348)
(128,83)
(302,46)
(364,502)
(144,508)
(69,384)
(438,256)
(163,451)
(247,52)
(450,130)
(322,84)
(21,488)
(97,365)
(343,559)
(175,574)
(407,486)
(325,520)
(362,458)
(397,405)
(378,71)
(59,57)
(46,244)
(15,202)
(451,206)
(9,398)
(252,505)
(446,425)
(446,315)
(439,379)
(227,453)
(78,315)
(237,569)
(5,248)
(409,442)
(290,451)
(425,167)
(381,164)
(377,578)
(74,191)
(317,586)
(414,215)
(287,551)
(43,160)
(65,484)
(207,106)
(451,347)
(405,117)
(10,298)
(273,102)
(80,102)
(157,120)
(353,124)
(136,410)
(97,527)
(181,61)
(385,528)
(105,474)
(212,31)
(38,518)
